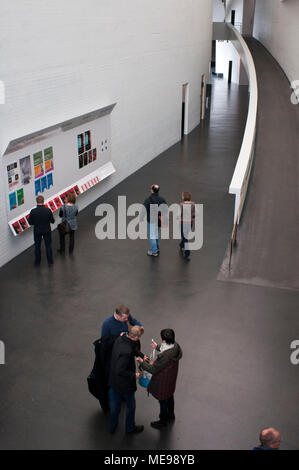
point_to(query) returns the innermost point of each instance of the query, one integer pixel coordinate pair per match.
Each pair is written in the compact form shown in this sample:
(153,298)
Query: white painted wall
(236,5)
(60,59)
(218,11)
(248,17)
(225,52)
(276,26)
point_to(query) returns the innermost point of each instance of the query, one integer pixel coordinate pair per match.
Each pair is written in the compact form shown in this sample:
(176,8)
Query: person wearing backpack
(69,213)
(155,218)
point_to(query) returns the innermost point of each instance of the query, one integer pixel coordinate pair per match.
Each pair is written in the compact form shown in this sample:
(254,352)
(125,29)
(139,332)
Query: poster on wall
(38,164)
(25,170)
(12,201)
(43,183)
(80,161)
(80,144)
(37,187)
(49,180)
(94,155)
(12,175)
(20,196)
(48,158)
(87,140)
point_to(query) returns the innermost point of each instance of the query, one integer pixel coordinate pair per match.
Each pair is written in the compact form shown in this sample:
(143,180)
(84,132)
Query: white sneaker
(150,253)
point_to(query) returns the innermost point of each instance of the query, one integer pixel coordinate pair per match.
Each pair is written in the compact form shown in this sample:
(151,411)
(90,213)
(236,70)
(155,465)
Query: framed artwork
(87,140)
(25,170)
(24,224)
(17,227)
(80,144)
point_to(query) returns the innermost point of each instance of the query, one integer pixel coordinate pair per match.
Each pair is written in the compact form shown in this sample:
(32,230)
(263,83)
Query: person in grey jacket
(69,212)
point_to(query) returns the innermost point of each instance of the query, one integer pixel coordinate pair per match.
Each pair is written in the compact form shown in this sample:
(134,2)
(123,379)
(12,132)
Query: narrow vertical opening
(233,17)
(185,99)
(230,69)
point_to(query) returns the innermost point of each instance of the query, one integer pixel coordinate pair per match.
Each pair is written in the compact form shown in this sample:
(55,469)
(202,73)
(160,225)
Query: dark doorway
(184,110)
(230,69)
(233,17)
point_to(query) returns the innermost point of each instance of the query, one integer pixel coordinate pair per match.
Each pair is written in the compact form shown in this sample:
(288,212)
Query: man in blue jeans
(122,379)
(154,217)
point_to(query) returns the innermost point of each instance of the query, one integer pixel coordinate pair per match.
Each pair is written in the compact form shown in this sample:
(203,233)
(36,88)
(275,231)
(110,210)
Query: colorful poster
(12,175)
(85,159)
(48,157)
(63,198)
(80,161)
(58,202)
(52,206)
(90,156)
(38,164)
(25,169)
(37,187)
(43,183)
(12,201)
(27,217)
(80,144)
(94,154)
(24,224)
(20,195)
(87,140)
(17,227)
(77,190)
(49,180)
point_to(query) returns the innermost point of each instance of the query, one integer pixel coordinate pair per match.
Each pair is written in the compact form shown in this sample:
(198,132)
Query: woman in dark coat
(164,375)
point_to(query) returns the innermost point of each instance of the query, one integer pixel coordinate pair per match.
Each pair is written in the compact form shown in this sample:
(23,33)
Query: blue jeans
(115,399)
(154,233)
(185,230)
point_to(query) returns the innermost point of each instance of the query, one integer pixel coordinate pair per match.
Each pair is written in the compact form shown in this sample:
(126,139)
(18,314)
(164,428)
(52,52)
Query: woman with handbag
(164,372)
(68,212)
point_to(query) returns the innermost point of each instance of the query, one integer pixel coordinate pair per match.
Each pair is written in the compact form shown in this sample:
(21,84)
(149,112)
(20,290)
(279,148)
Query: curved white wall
(61,59)
(276,26)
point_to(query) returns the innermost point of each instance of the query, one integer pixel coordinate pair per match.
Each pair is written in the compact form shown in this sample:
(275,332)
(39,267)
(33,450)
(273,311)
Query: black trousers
(72,241)
(48,242)
(166,409)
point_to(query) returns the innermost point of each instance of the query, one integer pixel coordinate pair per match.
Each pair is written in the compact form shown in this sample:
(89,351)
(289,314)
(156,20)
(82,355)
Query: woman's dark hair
(168,336)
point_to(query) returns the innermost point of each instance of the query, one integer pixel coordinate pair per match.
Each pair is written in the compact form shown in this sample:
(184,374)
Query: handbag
(144,380)
(64,226)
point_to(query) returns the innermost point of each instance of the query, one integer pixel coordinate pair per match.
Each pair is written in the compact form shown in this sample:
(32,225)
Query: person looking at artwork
(41,217)
(68,212)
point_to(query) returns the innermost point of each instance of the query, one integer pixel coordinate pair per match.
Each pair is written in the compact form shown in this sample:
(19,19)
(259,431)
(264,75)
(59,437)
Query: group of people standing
(41,218)
(117,354)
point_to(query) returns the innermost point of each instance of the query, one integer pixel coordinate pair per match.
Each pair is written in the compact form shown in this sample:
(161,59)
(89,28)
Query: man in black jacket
(155,215)
(41,217)
(122,379)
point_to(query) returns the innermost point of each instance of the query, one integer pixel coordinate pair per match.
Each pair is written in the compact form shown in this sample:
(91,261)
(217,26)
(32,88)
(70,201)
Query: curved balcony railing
(240,179)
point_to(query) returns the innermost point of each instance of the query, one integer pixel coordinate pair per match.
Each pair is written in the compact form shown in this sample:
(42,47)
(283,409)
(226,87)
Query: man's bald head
(270,437)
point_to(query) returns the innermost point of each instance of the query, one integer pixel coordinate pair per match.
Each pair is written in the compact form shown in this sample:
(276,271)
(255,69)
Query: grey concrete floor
(235,376)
